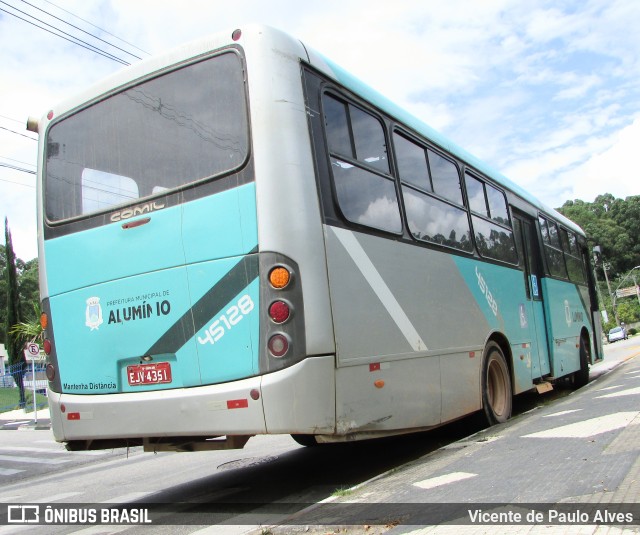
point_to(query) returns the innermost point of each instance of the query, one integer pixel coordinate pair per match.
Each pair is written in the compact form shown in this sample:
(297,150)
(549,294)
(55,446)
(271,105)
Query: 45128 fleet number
(227,321)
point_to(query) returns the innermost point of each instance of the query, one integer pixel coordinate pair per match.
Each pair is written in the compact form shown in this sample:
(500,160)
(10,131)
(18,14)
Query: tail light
(279,311)
(282,313)
(50,371)
(278,345)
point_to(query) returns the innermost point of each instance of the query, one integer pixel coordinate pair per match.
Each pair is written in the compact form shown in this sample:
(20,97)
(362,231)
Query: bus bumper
(299,399)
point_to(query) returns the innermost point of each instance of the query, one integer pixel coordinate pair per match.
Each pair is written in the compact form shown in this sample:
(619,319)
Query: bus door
(533,313)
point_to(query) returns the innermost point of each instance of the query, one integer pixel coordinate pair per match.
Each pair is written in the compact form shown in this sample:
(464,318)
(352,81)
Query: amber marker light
(44,321)
(279,277)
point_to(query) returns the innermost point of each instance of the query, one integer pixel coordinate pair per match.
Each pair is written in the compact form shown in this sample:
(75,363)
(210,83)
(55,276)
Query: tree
(14,313)
(614,225)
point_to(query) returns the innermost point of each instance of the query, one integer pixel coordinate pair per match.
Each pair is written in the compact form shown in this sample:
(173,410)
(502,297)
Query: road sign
(32,352)
(628,292)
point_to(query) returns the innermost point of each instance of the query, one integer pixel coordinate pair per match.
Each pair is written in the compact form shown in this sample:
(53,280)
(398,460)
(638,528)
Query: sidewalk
(22,419)
(570,467)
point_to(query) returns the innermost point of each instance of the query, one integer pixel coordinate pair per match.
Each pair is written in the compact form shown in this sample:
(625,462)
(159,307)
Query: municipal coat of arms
(93,313)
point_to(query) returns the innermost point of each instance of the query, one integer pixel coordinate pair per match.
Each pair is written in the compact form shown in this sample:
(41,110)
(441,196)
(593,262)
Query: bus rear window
(165,133)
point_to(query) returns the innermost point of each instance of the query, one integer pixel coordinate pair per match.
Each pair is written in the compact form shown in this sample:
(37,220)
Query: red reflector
(278,345)
(50,371)
(237,403)
(374,367)
(236,35)
(472,354)
(73,416)
(279,311)
(47,346)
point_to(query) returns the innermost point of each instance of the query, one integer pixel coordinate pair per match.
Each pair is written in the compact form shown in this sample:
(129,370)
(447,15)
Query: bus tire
(308,441)
(497,394)
(581,377)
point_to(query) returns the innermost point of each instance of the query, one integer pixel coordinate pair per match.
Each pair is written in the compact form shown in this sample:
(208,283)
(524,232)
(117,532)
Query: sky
(547,92)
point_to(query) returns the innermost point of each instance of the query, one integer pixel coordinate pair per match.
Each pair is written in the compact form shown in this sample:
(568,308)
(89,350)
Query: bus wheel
(305,440)
(496,386)
(581,377)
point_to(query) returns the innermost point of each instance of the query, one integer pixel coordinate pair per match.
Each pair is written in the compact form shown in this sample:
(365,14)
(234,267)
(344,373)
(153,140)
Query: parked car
(617,333)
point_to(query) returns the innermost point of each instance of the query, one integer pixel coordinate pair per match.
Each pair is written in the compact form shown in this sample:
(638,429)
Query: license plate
(149,374)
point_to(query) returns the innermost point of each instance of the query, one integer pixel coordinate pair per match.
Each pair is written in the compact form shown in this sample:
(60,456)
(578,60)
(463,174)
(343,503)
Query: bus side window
(430,218)
(445,178)
(552,248)
(365,191)
(490,221)
(572,256)
(369,139)
(335,118)
(412,163)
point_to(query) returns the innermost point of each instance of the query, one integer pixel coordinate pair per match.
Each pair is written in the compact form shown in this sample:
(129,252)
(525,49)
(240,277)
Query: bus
(238,238)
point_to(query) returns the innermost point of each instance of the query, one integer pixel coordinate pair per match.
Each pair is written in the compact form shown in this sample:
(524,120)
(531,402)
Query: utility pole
(597,251)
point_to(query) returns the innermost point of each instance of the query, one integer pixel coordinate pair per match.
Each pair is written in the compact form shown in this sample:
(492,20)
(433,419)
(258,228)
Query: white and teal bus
(240,238)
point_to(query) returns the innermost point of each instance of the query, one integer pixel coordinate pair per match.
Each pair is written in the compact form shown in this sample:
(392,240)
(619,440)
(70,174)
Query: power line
(97,27)
(14,132)
(18,161)
(12,119)
(16,168)
(17,183)
(74,40)
(78,28)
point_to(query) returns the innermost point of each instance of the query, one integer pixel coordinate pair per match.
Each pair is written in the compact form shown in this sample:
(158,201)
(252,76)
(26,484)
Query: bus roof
(202,45)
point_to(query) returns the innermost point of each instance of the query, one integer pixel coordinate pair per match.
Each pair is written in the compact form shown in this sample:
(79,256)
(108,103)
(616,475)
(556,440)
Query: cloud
(546,92)
(611,171)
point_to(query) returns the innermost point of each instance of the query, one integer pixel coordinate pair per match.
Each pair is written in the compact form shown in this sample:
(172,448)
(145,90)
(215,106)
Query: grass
(10,400)
(342,492)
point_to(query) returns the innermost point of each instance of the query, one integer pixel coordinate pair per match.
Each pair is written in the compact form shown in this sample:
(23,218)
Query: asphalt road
(270,469)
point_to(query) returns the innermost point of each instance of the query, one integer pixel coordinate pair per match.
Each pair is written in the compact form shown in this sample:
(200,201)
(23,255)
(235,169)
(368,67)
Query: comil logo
(137,210)
(93,313)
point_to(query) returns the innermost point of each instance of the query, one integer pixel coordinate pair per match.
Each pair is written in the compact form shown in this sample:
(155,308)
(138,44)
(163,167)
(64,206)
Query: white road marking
(561,413)
(375,280)
(56,497)
(60,451)
(443,480)
(9,471)
(629,392)
(11,499)
(97,530)
(126,498)
(609,388)
(32,460)
(588,428)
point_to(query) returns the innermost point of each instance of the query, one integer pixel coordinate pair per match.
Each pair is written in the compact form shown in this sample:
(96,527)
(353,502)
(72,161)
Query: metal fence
(22,374)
